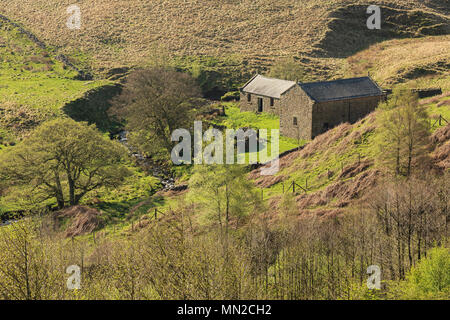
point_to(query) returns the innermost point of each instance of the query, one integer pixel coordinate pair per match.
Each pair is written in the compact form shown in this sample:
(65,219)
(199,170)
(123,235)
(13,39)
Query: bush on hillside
(231,96)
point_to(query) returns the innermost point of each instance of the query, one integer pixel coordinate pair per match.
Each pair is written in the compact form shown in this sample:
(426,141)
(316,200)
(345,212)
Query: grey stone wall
(313,118)
(327,115)
(296,103)
(253,104)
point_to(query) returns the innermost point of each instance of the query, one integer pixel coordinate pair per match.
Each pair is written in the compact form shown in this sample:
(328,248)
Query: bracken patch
(268,181)
(441,157)
(83,220)
(355,169)
(441,135)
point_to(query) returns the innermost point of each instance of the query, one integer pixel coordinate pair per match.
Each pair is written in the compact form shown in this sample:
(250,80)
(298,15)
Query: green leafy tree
(62,160)
(224,192)
(403,132)
(432,274)
(429,279)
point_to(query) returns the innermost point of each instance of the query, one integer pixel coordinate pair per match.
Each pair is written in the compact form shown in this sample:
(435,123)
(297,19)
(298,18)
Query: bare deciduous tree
(155,102)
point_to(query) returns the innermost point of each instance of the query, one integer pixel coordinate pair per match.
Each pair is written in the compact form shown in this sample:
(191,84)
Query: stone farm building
(309,109)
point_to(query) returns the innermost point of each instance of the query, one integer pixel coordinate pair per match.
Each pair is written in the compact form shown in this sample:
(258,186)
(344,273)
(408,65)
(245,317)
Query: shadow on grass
(129,209)
(93,108)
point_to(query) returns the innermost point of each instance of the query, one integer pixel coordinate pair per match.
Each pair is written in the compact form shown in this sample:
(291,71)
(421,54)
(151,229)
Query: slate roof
(268,87)
(341,89)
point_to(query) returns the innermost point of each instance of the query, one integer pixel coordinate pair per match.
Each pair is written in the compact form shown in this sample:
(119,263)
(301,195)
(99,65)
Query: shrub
(231,96)
(430,278)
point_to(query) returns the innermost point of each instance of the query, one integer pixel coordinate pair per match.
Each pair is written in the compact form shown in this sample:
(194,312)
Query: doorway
(260,105)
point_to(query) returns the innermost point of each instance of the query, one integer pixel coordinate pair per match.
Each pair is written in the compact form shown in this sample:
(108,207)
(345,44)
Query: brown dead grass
(444,103)
(404,60)
(120,32)
(308,200)
(441,135)
(83,220)
(274,202)
(350,190)
(268,181)
(441,155)
(345,191)
(355,169)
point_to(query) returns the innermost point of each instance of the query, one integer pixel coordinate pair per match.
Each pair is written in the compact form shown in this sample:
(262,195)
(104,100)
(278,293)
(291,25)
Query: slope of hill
(118,33)
(128,33)
(418,62)
(34,85)
(341,167)
(346,32)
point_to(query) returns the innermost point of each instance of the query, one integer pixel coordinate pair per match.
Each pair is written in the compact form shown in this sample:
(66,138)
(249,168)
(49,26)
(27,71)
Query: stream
(165,178)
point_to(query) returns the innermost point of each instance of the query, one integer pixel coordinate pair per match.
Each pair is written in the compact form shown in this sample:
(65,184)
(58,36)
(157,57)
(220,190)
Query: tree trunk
(59,192)
(71,190)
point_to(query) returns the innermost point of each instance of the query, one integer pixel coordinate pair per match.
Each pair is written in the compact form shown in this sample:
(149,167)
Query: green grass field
(34,85)
(438,107)
(235,119)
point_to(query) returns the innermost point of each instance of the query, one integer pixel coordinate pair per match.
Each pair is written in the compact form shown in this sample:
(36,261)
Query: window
(249,97)
(295,121)
(272,102)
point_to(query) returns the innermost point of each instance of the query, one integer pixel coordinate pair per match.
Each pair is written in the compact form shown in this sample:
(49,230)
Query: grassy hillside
(118,33)
(418,62)
(136,240)
(34,85)
(221,43)
(340,167)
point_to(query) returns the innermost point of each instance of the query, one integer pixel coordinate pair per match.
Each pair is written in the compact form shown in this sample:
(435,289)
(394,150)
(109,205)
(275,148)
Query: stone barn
(309,109)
